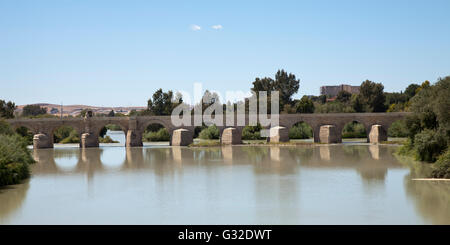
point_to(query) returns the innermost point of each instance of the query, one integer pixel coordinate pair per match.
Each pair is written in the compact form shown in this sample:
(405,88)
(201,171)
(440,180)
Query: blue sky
(111,53)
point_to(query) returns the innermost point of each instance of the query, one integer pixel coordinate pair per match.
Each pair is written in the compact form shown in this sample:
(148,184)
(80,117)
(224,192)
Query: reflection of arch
(66,159)
(90,160)
(45,161)
(112,158)
(373,174)
(134,157)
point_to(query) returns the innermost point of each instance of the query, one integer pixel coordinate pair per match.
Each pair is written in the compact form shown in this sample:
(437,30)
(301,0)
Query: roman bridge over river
(327,128)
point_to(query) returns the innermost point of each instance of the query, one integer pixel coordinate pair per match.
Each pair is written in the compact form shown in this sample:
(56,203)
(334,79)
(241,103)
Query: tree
(305,105)
(34,110)
(211,132)
(7,109)
(357,103)
(323,99)
(162,103)
(343,96)
(286,84)
(410,91)
(85,112)
(111,113)
(372,95)
(429,126)
(207,100)
(103,132)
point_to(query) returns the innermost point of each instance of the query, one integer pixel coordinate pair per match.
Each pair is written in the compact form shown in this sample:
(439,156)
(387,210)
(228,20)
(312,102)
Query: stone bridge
(327,128)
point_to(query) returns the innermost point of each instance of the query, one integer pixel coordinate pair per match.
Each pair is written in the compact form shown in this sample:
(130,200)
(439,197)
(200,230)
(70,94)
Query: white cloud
(195,28)
(217,27)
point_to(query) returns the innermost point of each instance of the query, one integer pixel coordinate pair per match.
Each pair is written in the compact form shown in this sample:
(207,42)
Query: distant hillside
(74,110)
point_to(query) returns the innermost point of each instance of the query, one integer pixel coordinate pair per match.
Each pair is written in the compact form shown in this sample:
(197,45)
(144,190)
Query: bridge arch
(65,134)
(156,132)
(145,122)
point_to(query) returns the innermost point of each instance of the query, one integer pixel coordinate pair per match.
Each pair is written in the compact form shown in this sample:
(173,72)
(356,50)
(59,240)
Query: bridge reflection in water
(263,159)
(317,184)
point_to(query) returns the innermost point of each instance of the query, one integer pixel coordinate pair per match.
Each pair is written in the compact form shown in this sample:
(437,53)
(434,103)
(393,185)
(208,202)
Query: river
(349,183)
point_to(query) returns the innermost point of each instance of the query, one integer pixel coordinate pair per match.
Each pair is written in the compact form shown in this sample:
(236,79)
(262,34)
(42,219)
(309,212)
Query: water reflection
(264,159)
(11,199)
(431,198)
(229,184)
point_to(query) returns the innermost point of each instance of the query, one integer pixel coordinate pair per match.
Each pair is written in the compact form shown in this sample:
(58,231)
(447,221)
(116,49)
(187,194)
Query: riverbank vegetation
(300,131)
(354,130)
(209,133)
(155,133)
(252,132)
(429,127)
(15,157)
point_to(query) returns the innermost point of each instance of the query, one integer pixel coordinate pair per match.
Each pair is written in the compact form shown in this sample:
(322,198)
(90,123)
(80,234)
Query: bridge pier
(231,136)
(133,138)
(278,134)
(89,140)
(42,141)
(182,137)
(328,134)
(377,134)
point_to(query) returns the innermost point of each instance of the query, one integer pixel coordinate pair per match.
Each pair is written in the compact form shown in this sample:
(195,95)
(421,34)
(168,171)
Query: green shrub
(300,131)
(332,107)
(197,130)
(210,133)
(161,135)
(106,139)
(65,134)
(442,166)
(429,144)
(398,129)
(5,129)
(26,134)
(407,149)
(14,159)
(354,130)
(251,132)
(113,127)
(73,137)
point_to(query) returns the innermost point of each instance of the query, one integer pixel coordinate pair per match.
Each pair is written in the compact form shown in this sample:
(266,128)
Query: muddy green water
(322,184)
